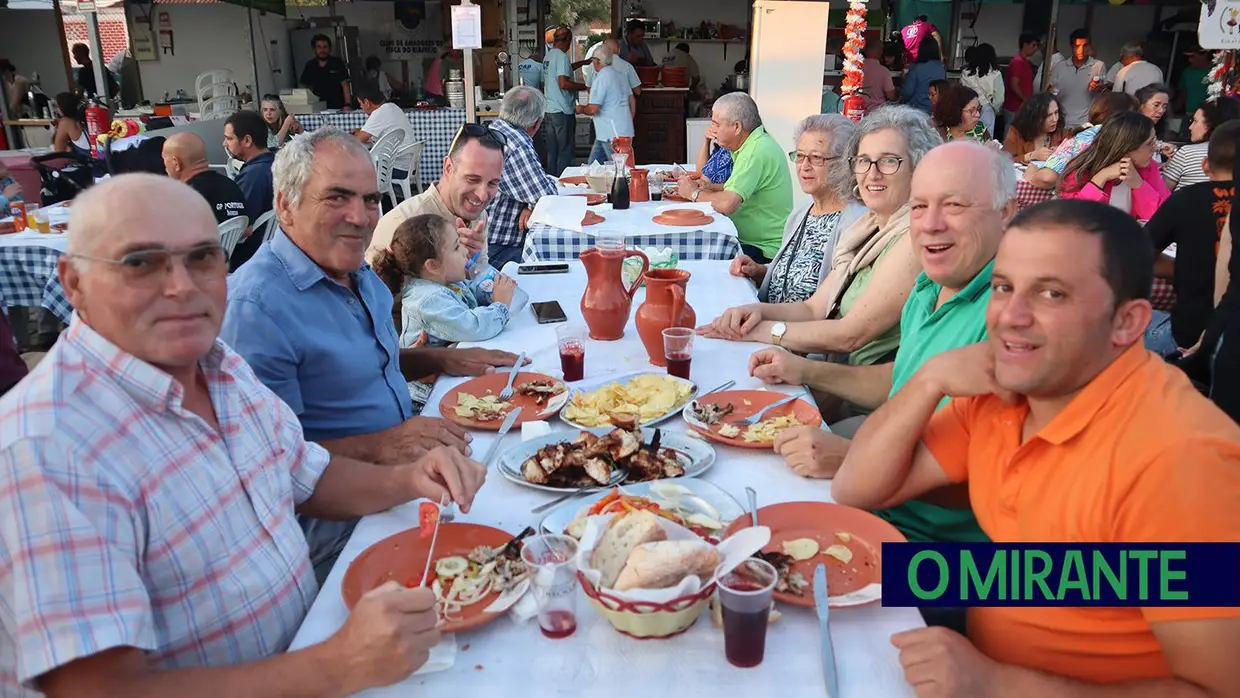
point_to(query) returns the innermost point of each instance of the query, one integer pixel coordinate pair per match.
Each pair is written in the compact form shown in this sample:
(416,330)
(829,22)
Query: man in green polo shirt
(758,194)
(963,194)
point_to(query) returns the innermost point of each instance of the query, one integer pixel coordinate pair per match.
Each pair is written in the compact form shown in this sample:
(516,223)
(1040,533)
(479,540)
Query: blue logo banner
(1061,574)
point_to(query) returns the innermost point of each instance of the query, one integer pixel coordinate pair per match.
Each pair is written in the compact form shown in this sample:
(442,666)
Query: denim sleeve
(444,315)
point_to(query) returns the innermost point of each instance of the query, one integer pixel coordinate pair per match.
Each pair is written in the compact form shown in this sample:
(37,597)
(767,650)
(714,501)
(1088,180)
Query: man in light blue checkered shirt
(524,182)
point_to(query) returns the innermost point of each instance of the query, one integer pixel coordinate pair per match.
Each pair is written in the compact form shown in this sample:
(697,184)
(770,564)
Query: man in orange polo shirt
(1066,430)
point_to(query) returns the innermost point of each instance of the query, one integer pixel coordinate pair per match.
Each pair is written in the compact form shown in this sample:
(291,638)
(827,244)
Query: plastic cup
(30,221)
(41,221)
(553,580)
(745,594)
(572,343)
(609,241)
(678,351)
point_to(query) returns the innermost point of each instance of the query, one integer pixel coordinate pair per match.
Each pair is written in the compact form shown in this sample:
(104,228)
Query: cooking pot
(740,81)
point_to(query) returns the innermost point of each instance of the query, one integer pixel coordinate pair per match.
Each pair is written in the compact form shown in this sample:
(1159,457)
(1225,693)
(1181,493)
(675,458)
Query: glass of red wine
(678,350)
(572,341)
(745,594)
(553,580)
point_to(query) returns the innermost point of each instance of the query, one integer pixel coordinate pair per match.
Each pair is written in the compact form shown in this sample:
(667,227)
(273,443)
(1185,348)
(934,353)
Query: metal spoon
(753,505)
(576,493)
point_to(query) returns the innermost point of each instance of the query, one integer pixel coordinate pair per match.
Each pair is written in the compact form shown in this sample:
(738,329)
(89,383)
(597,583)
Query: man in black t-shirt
(327,76)
(185,160)
(1193,219)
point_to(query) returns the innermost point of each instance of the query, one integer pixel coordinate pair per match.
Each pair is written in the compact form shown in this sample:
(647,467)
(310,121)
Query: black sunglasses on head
(479,132)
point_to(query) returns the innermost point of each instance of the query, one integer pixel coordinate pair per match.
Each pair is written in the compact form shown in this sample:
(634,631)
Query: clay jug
(606,303)
(639,185)
(665,307)
(623,144)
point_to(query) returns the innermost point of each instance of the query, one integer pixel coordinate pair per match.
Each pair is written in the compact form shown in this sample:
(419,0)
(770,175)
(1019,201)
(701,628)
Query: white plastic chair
(218,108)
(214,83)
(414,176)
(231,231)
(232,168)
(267,225)
(384,155)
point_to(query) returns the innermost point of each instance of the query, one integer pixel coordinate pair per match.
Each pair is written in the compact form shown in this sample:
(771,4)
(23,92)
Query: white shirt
(1135,75)
(624,68)
(387,118)
(611,92)
(1073,86)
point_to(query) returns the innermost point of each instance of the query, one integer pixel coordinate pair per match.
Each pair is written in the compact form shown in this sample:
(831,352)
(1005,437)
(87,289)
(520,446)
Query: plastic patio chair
(384,155)
(231,231)
(414,177)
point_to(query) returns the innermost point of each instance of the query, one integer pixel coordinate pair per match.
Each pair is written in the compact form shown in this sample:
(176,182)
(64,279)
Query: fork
(506,393)
(757,416)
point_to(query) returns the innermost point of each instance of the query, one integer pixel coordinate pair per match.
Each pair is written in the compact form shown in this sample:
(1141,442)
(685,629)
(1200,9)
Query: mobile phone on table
(543,268)
(549,312)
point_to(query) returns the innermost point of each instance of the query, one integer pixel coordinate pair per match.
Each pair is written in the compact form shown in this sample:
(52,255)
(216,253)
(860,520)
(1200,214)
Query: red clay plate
(806,413)
(592,218)
(402,557)
(575,179)
(593,199)
(59,227)
(493,384)
(684,220)
(821,521)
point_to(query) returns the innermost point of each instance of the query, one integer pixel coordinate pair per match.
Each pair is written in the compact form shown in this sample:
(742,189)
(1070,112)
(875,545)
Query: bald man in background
(185,160)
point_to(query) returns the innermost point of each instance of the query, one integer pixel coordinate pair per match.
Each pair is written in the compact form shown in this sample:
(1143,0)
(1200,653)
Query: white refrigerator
(786,60)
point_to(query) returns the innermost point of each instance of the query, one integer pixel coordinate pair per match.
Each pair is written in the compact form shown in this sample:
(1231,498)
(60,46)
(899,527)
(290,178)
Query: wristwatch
(777,332)
(696,194)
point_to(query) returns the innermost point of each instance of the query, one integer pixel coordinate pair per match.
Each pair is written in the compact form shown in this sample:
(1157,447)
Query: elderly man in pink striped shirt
(149,484)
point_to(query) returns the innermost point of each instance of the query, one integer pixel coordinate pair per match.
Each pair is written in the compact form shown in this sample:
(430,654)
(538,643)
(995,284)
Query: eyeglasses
(480,132)
(972,110)
(814,158)
(888,164)
(206,262)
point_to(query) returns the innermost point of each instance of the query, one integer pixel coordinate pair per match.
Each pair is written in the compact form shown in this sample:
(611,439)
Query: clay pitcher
(665,307)
(623,144)
(606,303)
(639,185)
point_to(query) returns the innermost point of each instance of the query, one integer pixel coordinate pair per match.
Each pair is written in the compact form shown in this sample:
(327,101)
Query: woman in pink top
(1122,153)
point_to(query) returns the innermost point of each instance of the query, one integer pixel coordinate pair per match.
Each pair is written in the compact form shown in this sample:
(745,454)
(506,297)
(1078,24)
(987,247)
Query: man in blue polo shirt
(315,322)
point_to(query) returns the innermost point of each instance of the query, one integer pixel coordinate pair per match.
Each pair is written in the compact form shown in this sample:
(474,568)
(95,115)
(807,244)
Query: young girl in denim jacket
(424,267)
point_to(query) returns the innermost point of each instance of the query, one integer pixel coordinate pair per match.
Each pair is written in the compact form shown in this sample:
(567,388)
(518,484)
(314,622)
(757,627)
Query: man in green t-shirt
(963,194)
(1192,86)
(758,194)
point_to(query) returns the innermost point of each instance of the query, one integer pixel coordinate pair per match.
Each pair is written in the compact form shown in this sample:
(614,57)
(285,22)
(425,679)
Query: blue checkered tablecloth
(28,278)
(435,128)
(546,244)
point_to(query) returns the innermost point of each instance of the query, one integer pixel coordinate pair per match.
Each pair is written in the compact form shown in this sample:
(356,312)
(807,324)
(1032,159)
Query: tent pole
(249,14)
(1052,40)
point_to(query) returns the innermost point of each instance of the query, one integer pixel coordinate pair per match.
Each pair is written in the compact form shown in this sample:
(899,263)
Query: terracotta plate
(59,227)
(493,384)
(402,557)
(822,521)
(593,199)
(577,179)
(671,195)
(805,413)
(684,220)
(592,218)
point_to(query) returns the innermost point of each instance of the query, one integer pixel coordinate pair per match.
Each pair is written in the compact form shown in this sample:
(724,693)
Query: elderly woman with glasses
(810,234)
(958,114)
(854,315)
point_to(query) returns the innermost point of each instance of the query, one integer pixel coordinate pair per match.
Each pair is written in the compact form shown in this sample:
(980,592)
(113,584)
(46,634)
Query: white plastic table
(505,659)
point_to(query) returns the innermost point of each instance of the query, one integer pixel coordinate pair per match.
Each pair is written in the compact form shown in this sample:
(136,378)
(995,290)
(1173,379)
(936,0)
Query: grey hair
(605,53)
(1132,48)
(913,124)
(738,106)
(839,130)
(295,160)
(523,106)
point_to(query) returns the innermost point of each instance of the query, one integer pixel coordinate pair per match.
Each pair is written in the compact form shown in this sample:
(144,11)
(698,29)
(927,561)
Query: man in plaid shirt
(524,181)
(148,484)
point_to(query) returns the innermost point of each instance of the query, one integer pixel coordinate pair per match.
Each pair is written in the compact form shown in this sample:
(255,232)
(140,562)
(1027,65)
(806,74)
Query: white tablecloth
(504,659)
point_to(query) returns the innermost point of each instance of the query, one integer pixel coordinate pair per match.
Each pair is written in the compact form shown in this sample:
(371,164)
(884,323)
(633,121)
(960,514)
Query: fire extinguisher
(854,107)
(98,121)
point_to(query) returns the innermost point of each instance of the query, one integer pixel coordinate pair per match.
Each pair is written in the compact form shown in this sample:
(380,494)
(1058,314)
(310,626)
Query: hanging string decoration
(1221,79)
(854,59)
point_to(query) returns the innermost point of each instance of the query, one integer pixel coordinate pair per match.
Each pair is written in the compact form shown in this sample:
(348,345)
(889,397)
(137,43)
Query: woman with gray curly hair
(802,261)
(854,315)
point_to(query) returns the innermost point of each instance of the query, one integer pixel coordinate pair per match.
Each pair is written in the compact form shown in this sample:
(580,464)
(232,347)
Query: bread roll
(623,534)
(665,563)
